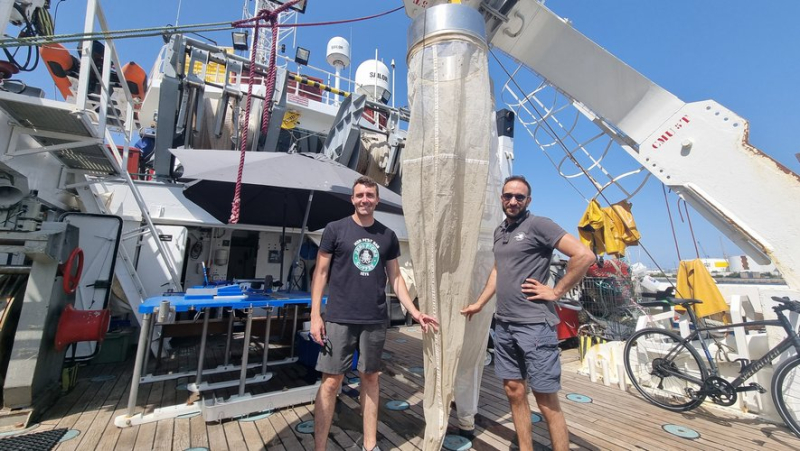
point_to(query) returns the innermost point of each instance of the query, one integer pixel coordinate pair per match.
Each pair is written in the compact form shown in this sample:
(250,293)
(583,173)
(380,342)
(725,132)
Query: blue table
(203,299)
(228,296)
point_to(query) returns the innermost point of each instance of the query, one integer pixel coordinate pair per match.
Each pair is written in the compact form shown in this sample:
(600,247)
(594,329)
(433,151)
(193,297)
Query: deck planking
(613,420)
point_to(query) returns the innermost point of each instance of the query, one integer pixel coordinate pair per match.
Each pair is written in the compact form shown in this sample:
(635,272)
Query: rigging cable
(118,34)
(671,224)
(691,229)
(574,160)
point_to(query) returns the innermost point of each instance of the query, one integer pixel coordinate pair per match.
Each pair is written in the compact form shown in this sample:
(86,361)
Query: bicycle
(668,371)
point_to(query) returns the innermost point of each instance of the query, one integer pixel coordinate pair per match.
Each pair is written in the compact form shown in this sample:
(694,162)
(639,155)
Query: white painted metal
(162,413)
(210,386)
(220,409)
(124,271)
(6,7)
(153,271)
(684,145)
(584,71)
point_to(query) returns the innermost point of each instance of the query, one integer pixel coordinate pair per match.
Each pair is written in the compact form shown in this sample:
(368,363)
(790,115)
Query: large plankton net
(446,173)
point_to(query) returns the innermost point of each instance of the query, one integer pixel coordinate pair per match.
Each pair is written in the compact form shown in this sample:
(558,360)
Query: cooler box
(568,327)
(308,351)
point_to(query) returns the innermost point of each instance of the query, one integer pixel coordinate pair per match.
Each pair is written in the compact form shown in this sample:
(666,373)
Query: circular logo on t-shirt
(365,256)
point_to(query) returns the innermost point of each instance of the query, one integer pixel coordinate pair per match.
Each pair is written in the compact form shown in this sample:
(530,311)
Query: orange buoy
(61,64)
(136,78)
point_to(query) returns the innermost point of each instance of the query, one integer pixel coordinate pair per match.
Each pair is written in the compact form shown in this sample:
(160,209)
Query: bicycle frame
(747,371)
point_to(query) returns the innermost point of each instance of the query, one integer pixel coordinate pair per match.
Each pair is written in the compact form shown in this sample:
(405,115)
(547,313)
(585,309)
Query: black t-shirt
(357,282)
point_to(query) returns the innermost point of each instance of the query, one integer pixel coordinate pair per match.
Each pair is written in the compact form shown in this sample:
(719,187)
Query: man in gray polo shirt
(526,343)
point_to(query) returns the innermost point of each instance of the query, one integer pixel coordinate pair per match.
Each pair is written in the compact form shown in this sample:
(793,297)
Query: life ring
(71,281)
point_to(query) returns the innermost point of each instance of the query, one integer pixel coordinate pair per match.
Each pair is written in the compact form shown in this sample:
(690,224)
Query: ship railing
(108,103)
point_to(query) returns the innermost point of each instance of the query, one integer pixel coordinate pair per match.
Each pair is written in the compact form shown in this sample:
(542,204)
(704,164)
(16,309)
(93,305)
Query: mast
(265,34)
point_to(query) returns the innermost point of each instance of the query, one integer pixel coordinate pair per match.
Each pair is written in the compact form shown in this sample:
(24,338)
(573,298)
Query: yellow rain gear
(695,282)
(608,230)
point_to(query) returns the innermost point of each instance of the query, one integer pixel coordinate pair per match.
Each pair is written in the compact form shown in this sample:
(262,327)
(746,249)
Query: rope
(334,22)
(271,18)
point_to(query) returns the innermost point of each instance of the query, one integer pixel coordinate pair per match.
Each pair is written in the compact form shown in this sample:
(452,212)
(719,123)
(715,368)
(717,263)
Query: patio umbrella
(275,187)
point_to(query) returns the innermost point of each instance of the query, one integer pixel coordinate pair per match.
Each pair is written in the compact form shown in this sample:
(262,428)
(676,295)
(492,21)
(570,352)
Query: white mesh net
(445,174)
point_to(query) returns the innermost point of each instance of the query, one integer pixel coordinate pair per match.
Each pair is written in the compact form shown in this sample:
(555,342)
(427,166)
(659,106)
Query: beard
(514,217)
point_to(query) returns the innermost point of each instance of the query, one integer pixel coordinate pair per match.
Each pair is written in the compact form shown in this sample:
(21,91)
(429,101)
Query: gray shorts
(336,357)
(528,351)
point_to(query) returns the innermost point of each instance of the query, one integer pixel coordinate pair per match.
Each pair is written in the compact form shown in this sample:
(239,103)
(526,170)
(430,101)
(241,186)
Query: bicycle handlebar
(666,296)
(786,304)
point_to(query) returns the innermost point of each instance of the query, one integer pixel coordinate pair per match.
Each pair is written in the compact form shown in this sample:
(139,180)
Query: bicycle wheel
(786,393)
(665,371)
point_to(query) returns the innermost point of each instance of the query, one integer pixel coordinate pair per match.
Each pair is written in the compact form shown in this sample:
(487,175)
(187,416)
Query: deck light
(301,57)
(299,6)
(239,40)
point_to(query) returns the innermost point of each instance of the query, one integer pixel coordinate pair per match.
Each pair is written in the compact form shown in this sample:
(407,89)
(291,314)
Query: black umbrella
(275,187)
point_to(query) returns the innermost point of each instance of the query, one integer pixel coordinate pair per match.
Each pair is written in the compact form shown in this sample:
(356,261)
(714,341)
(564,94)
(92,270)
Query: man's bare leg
(370,393)
(517,393)
(324,406)
(556,423)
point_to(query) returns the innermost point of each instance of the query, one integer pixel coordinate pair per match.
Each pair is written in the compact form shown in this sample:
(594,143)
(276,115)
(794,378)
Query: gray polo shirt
(523,250)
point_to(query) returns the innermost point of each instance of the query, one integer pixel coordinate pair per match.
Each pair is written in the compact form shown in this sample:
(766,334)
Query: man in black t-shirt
(359,253)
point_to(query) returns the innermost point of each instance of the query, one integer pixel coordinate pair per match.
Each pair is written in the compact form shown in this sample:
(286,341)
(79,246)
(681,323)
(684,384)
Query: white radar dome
(338,52)
(372,79)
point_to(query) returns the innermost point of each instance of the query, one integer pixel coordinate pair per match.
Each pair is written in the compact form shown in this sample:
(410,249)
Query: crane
(700,150)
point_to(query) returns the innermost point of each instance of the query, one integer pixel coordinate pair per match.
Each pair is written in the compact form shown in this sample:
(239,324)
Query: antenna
(338,56)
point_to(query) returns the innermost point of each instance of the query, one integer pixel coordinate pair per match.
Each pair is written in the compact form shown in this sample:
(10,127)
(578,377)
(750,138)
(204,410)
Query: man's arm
(317,287)
(400,289)
(488,291)
(580,259)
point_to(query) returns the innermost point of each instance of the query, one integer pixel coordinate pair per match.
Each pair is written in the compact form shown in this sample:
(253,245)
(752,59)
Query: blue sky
(742,54)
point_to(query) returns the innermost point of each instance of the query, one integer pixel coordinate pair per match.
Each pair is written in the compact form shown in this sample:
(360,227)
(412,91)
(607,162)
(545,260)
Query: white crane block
(584,71)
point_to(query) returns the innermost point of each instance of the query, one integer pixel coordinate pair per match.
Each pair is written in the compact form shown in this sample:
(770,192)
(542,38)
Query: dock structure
(599,417)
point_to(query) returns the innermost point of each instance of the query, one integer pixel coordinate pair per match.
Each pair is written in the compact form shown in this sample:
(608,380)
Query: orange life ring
(71,281)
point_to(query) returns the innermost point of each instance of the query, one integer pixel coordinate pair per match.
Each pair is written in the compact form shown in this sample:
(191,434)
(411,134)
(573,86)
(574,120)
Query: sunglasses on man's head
(519,197)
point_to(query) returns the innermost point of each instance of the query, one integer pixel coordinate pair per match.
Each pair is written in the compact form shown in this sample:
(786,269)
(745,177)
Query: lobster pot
(445,175)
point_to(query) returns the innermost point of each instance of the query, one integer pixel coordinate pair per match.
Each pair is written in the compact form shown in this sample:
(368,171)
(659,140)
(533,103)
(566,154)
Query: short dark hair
(518,178)
(368,182)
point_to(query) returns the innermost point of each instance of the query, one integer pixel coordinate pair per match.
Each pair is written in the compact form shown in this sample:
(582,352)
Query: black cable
(30,29)
(55,14)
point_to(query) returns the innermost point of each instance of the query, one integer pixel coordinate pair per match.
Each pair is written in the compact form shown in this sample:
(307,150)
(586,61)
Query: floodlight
(302,55)
(239,40)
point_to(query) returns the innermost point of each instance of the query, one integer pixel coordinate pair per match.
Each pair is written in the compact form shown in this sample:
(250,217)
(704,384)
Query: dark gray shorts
(528,351)
(336,357)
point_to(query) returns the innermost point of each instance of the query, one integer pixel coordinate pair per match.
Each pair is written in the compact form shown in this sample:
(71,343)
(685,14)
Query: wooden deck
(613,420)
